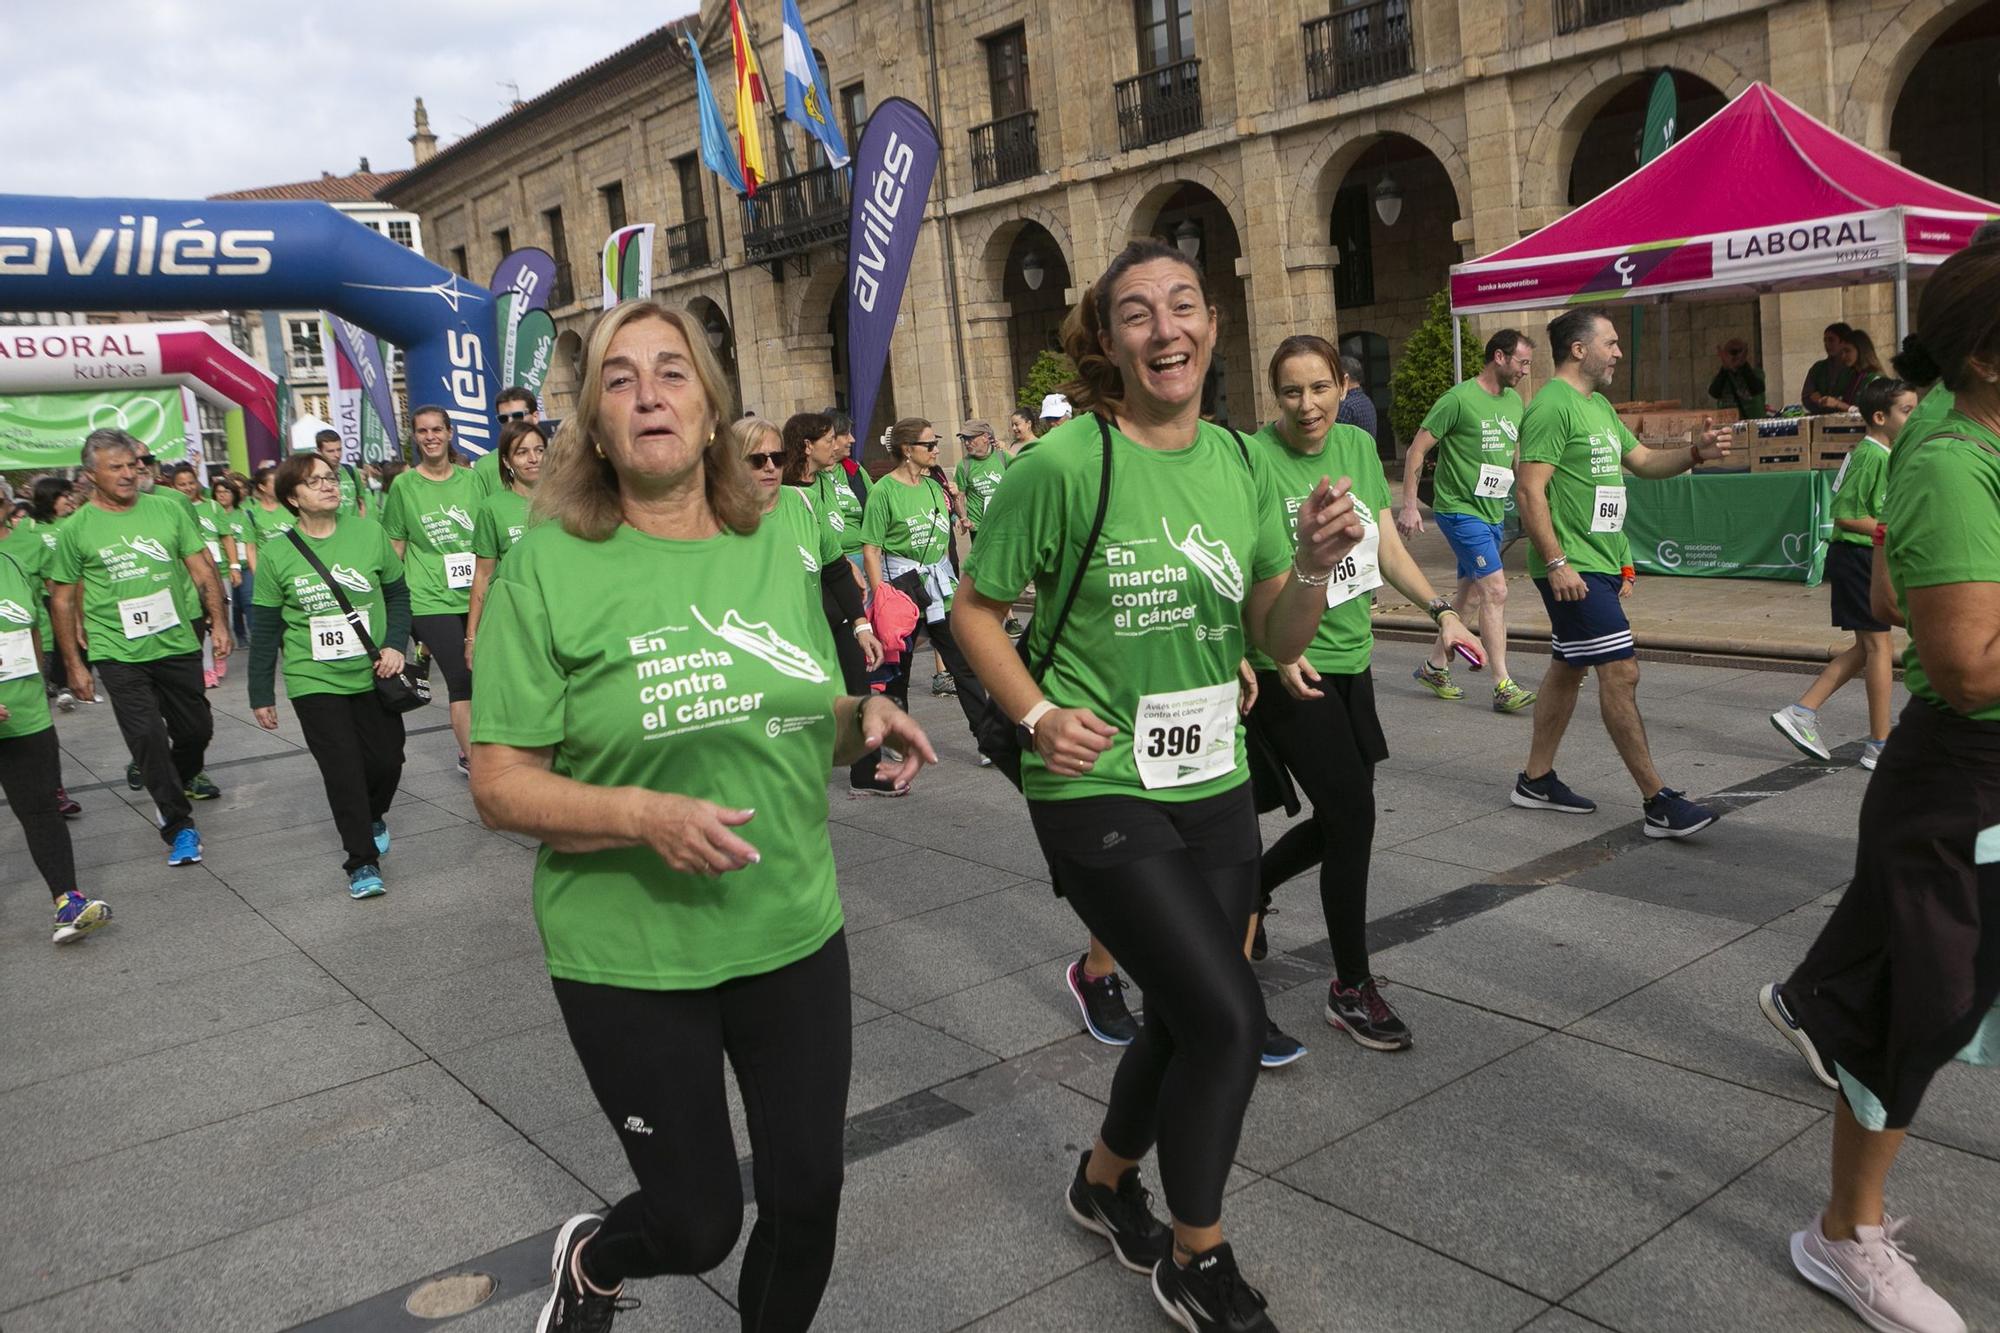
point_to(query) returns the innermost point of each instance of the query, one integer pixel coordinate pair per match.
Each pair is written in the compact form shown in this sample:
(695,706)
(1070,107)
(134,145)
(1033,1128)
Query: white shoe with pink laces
(1875,1276)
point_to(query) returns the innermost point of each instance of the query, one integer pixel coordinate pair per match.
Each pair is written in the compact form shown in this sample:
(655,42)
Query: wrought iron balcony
(1159,105)
(1005,150)
(793,214)
(687,246)
(1576,15)
(1358,46)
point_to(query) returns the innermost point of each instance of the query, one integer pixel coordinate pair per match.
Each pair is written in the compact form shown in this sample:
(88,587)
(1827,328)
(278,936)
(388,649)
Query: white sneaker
(1800,726)
(1875,1276)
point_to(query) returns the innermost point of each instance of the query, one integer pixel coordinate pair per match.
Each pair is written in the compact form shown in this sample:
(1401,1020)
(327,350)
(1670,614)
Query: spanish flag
(751,103)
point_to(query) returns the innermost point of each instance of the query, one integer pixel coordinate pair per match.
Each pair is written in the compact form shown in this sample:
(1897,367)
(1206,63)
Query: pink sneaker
(1875,1276)
(208,679)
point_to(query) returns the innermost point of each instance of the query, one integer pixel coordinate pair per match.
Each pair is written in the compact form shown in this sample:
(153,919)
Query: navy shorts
(1590,632)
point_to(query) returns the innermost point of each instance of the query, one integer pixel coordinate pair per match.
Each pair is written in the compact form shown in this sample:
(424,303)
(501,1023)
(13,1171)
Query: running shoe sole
(1084,1009)
(1533,803)
(194,860)
(1173,1311)
(1662,831)
(1518,704)
(555,1266)
(856,793)
(1098,1228)
(1828,1281)
(1779,720)
(1868,761)
(374,890)
(1767,1000)
(1280,1061)
(1334,1020)
(89,919)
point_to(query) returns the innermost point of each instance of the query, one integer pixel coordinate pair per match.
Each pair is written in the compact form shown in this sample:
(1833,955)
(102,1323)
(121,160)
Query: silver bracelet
(1558,563)
(1309,580)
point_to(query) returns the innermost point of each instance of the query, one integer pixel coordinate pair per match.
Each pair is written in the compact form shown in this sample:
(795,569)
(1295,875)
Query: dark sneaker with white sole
(1362,1013)
(1123,1216)
(1280,1047)
(573,1307)
(1547,792)
(1670,814)
(1210,1295)
(1771,999)
(1102,1003)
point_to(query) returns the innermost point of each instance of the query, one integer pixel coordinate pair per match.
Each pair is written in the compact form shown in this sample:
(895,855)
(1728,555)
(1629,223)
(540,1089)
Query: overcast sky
(179,99)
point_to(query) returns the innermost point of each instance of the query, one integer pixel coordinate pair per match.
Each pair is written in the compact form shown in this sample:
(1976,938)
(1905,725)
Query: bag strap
(354,617)
(1089,549)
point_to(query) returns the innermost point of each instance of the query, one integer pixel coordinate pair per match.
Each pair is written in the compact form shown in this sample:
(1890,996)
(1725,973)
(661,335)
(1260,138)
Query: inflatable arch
(167,254)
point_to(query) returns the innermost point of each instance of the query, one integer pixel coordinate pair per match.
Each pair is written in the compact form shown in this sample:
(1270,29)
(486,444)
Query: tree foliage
(1424,371)
(1050,372)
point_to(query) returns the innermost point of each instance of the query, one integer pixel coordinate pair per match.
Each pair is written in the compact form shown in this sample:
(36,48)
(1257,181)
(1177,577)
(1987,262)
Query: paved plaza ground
(252,1104)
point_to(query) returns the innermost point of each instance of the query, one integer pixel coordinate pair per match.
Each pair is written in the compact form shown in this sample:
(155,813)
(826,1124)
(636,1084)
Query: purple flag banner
(364,354)
(521,282)
(893,166)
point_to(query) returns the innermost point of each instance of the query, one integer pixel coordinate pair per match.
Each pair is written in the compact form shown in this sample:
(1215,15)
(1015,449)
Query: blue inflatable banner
(893,166)
(166,254)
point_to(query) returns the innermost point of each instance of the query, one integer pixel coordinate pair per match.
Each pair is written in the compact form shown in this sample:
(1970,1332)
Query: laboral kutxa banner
(46,430)
(893,166)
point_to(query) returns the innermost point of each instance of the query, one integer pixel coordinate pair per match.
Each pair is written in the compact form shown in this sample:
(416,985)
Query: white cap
(1055,407)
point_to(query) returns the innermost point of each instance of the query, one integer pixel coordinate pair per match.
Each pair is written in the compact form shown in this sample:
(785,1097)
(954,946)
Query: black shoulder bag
(404,692)
(1000,738)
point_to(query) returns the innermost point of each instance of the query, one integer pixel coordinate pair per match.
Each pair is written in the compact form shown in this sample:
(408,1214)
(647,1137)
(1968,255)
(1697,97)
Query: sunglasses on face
(926,444)
(513,416)
(758,461)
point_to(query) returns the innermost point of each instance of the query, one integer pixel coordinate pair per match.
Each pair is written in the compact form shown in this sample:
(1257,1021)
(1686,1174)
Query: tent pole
(1457,350)
(1663,350)
(1902,302)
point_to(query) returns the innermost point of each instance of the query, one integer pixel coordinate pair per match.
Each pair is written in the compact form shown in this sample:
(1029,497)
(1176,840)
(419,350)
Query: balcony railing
(1358,46)
(795,213)
(1005,150)
(1576,15)
(1159,105)
(563,290)
(687,246)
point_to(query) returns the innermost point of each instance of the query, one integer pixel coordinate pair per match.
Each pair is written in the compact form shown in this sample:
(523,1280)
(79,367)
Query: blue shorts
(1474,541)
(1590,632)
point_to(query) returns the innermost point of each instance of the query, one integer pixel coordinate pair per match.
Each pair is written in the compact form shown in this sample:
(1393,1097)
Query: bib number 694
(1173,742)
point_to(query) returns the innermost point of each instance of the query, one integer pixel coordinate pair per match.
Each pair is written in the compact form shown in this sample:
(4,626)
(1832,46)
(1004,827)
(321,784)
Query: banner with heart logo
(46,430)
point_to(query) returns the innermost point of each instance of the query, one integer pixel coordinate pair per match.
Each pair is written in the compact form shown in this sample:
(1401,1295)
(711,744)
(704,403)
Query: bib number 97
(1173,742)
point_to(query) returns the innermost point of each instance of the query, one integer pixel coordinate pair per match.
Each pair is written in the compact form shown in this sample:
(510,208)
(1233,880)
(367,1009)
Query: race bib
(1185,737)
(1608,515)
(1359,570)
(143,617)
(334,640)
(1494,482)
(17,654)
(458,568)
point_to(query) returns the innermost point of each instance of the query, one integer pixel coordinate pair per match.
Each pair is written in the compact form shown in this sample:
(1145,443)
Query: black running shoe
(132,778)
(1362,1013)
(1670,814)
(1547,792)
(199,788)
(1280,1047)
(1102,1001)
(572,1307)
(1210,1295)
(1122,1216)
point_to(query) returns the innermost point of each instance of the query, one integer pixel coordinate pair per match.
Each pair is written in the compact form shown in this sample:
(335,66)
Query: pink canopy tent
(1760,197)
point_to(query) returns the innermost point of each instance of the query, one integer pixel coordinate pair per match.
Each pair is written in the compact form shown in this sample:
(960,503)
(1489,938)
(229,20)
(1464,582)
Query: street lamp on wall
(1388,201)
(1187,238)
(717,331)
(1032,271)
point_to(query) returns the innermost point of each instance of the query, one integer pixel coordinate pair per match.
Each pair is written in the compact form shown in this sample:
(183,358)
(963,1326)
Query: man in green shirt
(1574,452)
(978,474)
(353,490)
(1475,427)
(138,562)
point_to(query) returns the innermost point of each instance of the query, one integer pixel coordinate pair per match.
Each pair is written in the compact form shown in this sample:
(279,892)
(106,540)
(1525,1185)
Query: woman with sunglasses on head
(503,515)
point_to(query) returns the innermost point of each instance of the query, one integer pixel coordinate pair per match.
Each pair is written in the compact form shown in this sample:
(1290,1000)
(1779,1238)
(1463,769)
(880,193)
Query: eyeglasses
(513,416)
(967,439)
(145,460)
(321,479)
(765,460)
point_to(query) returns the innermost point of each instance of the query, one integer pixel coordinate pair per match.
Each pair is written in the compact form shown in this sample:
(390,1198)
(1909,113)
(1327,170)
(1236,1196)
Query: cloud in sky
(180,99)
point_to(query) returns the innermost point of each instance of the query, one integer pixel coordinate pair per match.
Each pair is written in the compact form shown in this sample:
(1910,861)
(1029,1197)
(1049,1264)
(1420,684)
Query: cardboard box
(1777,444)
(1834,437)
(1682,427)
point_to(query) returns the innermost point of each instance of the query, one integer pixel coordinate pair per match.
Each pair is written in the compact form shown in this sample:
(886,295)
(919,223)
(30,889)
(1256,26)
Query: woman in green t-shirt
(503,515)
(229,499)
(357,743)
(1136,780)
(1317,714)
(816,463)
(658,709)
(1903,978)
(221,548)
(428,517)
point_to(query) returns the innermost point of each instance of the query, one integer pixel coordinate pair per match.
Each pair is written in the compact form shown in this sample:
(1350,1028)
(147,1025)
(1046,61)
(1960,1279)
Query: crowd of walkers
(1202,651)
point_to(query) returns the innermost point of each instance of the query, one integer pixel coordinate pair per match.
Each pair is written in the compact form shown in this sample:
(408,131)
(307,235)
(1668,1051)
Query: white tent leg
(1664,394)
(1902,302)
(1457,350)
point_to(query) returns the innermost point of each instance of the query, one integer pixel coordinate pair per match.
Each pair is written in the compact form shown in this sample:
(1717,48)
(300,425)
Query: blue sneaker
(1547,792)
(78,916)
(187,848)
(365,882)
(381,831)
(1280,1047)
(1670,814)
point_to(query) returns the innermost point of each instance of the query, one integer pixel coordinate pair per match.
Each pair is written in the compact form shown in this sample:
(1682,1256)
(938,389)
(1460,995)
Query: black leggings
(853,676)
(654,1059)
(443,636)
(1175,922)
(358,745)
(30,772)
(971,694)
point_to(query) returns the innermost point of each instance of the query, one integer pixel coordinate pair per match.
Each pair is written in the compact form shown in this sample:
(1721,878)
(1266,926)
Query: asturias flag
(805,91)
(751,103)
(715,154)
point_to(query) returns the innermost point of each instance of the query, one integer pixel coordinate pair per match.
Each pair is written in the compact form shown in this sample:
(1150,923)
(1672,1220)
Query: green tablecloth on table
(1746,525)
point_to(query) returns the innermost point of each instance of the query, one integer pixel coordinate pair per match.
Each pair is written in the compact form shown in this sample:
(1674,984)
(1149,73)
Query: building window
(854,113)
(614,204)
(687,173)
(1007,72)
(402,233)
(1166,32)
(458,264)
(302,336)
(559,248)
(503,241)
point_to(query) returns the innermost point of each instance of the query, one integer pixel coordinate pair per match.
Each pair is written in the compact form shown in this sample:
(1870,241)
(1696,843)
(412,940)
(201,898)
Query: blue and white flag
(718,153)
(806,99)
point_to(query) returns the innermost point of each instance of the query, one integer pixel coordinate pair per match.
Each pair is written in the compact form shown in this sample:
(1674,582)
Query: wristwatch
(1438,606)
(1036,714)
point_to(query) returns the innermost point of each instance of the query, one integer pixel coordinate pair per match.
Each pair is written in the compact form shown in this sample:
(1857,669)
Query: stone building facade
(1325,166)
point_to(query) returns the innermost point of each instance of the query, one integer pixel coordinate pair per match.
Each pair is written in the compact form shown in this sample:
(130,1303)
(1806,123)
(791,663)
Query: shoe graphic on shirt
(458,516)
(1213,558)
(760,640)
(14,611)
(350,578)
(146,546)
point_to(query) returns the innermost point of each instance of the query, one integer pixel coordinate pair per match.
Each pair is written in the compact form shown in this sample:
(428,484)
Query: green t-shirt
(502,518)
(1943,515)
(352,488)
(1859,489)
(1587,443)
(213,521)
(1936,404)
(139,601)
(321,653)
(25,545)
(977,479)
(818,545)
(435,519)
(21,613)
(1153,642)
(236,522)
(486,471)
(838,506)
(1346,637)
(713,676)
(1473,428)
(911,521)
(262,524)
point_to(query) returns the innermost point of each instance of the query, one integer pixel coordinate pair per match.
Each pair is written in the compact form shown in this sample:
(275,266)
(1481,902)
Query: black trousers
(30,772)
(654,1059)
(358,745)
(971,694)
(162,712)
(853,678)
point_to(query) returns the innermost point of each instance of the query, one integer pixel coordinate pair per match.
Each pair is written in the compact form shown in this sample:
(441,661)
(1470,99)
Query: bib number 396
(1185,737)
